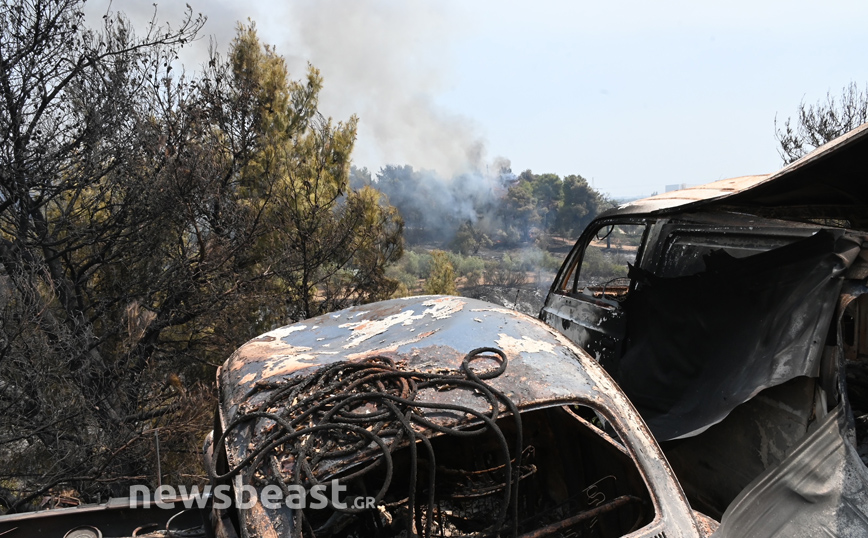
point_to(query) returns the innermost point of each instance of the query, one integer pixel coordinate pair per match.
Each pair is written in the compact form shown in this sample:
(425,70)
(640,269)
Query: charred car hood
(427,334)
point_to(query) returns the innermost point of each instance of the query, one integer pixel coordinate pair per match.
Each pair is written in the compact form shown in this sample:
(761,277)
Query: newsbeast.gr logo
(271,497)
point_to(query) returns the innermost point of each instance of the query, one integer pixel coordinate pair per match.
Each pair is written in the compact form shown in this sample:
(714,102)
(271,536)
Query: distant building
(676,187)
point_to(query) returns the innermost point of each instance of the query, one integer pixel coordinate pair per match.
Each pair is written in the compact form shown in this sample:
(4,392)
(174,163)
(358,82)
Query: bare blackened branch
(817,124)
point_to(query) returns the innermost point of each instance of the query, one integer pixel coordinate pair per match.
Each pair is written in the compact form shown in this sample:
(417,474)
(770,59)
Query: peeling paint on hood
(428,333)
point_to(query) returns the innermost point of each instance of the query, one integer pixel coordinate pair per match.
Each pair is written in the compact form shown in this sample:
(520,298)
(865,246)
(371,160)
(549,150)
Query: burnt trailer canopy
(829,184)
(440,416)
(736,324)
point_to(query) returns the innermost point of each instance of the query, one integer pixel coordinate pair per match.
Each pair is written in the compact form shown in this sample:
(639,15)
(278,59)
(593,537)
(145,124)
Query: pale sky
(632,95)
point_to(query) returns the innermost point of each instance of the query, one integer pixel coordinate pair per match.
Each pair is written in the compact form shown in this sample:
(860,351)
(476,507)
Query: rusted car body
(526,437)
(739,330)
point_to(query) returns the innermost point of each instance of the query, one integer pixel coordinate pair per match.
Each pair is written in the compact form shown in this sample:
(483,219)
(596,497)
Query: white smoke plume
(386,61)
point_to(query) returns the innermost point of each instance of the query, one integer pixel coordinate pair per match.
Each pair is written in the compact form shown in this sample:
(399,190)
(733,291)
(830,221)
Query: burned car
(733,316)
(398,404)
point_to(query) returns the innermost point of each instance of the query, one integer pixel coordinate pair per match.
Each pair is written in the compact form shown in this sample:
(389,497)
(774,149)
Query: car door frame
(596,324)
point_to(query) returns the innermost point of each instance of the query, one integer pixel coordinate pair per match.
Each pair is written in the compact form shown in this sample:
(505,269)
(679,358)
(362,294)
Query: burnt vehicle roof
(428,333)
(828,183)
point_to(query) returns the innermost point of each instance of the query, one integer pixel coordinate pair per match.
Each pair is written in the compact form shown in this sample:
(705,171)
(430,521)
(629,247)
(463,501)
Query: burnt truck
(698,369)
(738,327)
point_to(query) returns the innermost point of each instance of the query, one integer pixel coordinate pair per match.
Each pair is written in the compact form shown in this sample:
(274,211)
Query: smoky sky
(378,62)
(381,60)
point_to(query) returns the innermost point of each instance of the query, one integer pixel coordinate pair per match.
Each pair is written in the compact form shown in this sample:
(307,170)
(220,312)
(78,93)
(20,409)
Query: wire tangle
(362,412)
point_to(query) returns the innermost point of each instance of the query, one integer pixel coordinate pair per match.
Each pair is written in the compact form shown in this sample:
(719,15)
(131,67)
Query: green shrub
(441,279)
(599,267)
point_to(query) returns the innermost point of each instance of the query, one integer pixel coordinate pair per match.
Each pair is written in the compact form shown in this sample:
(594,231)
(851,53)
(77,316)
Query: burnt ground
(526,299)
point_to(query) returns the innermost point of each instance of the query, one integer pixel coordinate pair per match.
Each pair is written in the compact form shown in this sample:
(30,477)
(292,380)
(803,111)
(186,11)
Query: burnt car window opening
(684,250)
(586,298)
(605,260)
